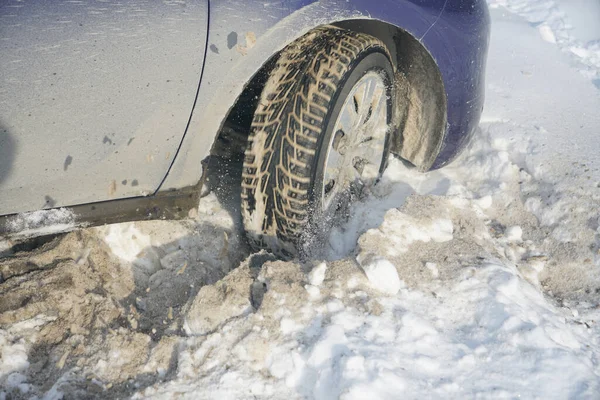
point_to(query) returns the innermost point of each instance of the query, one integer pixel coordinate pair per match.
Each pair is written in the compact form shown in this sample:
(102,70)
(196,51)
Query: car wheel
(319,138)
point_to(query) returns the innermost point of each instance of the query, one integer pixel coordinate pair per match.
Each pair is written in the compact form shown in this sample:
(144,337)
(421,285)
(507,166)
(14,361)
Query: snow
(382,274)
(41,222)
(480,280)
(317,275)
(486,334)
(570,24)
(13,353)
(126,241)
(514,234)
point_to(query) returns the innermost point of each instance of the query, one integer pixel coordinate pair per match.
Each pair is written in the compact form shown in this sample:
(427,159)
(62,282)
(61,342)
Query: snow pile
(487,324)
(478,330)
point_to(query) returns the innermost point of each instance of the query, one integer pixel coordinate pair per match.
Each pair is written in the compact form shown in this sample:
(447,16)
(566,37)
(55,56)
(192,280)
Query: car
(109,111)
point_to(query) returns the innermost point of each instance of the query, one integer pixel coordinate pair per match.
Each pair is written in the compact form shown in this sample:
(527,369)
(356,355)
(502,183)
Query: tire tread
(287,125)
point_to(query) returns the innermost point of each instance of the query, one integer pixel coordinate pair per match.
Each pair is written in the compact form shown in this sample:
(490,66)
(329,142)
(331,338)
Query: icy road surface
(481,280)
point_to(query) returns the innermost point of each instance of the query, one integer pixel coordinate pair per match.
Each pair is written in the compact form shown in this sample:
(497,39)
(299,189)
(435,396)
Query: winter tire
(319,137)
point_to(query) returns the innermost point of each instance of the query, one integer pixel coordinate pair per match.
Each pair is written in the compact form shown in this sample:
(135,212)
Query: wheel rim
(357,146)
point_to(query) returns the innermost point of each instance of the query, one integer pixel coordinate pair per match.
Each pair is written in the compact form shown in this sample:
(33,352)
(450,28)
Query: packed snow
(41,222)
(479,280)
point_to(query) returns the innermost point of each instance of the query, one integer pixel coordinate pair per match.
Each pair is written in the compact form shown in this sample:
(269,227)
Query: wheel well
(420,120)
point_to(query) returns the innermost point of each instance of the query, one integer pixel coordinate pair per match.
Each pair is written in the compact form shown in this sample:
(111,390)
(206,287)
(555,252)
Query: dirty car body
(108,110)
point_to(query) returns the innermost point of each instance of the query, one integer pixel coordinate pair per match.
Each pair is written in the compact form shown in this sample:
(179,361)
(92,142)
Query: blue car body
(108,109)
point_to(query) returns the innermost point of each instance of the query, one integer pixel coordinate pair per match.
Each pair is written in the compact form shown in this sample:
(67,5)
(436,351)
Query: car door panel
(94,97)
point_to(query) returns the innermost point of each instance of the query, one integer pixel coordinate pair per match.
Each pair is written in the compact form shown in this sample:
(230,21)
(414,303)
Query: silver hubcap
(355,153)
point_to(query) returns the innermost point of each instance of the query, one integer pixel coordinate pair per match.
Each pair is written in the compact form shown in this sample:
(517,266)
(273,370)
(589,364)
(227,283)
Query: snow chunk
(484,202)
(514,234)
(432,267)
(400,230)
(547,34)
(382,274)
(14,357)
(126,241)
(313,292)
(317,275)
(442,230)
